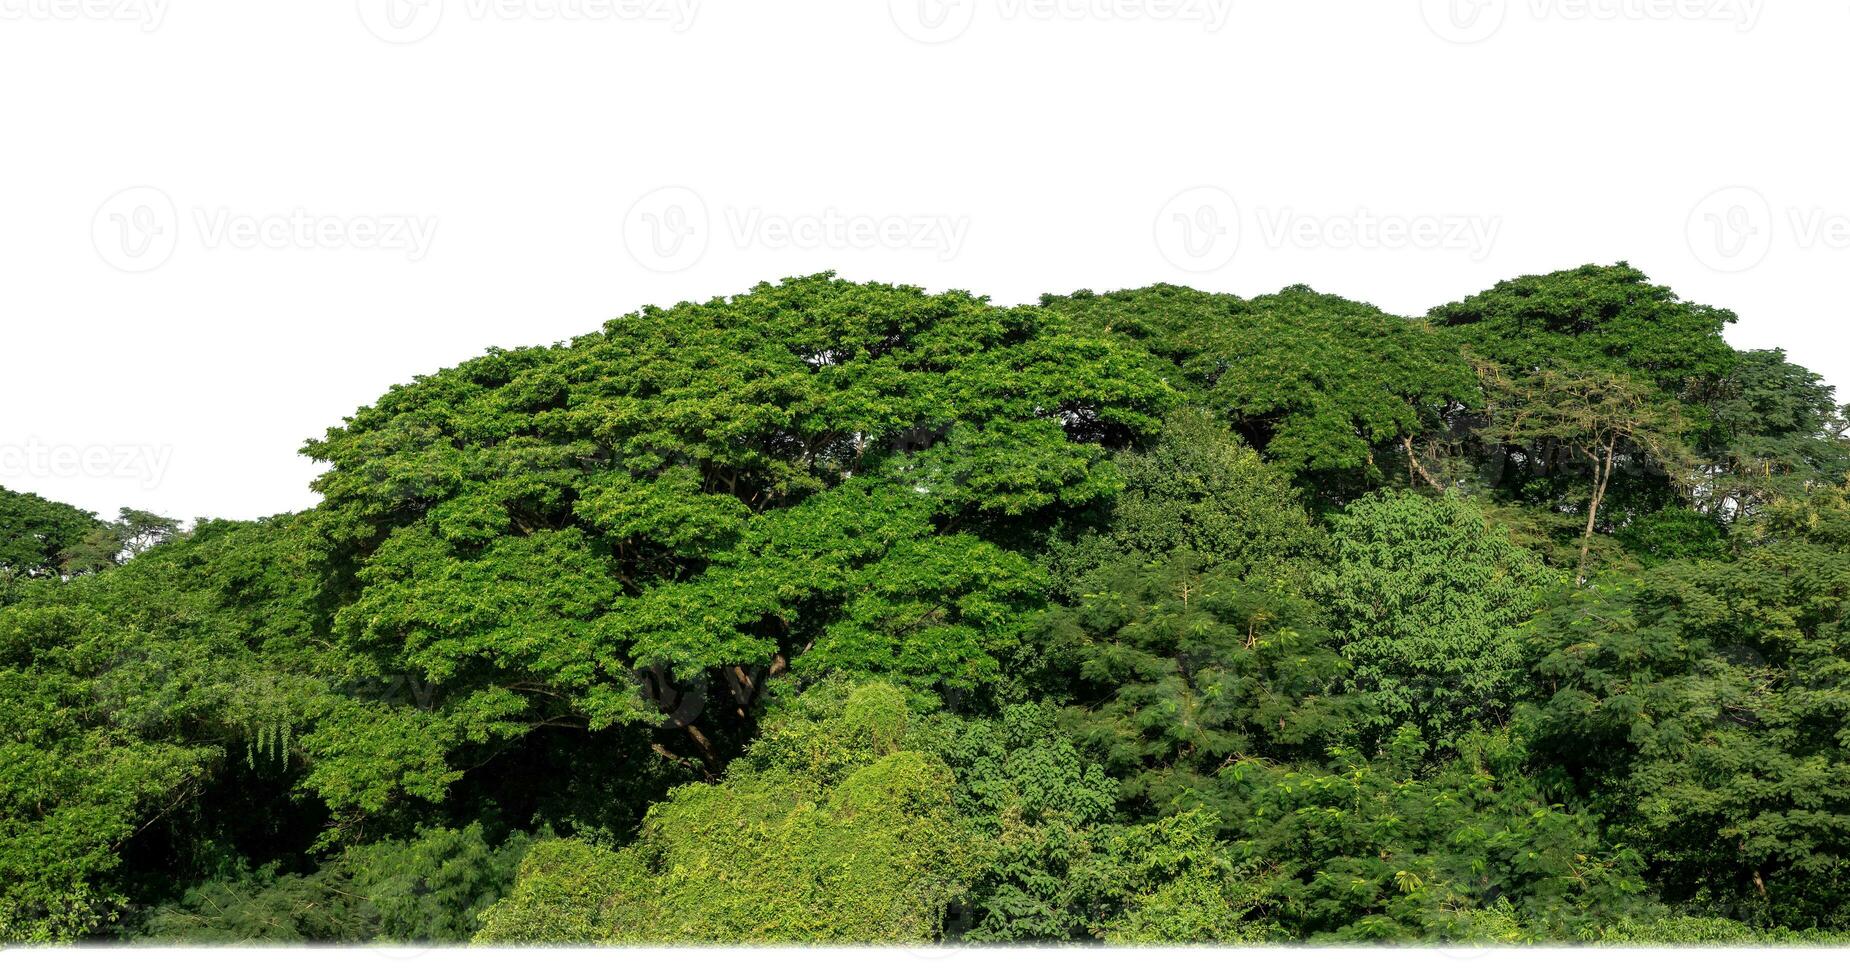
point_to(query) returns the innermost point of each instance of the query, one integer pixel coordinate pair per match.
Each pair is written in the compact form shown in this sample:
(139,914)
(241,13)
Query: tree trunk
(1602,474)
(1413,465)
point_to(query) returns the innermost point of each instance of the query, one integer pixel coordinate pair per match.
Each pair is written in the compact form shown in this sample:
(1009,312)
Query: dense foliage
(842,613)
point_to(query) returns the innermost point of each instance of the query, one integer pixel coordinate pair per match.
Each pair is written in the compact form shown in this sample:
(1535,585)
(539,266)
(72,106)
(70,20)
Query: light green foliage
(1693,930)
(843,838)
(1172,882)
(1426,598)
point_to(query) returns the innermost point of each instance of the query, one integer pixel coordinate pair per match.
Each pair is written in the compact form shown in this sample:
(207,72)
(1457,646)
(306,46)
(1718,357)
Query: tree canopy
(844,613)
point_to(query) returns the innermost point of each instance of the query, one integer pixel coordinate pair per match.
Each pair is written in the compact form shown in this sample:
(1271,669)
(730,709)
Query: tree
(1427,599)
(1779,433)
(1182,673)
(848,613)
(1602,417)
(1398,847)
(34,532)
(828,831)
(644,526)
(111,544)
(1594,318)
(1702,709)
(429,889)
(1201,491)
(1324,386)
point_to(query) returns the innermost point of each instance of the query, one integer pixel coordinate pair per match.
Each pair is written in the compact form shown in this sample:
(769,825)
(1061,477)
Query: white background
(473,174)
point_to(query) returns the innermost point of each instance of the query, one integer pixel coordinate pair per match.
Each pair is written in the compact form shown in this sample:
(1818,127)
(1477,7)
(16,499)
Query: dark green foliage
(1036,807)
(1609,318)
(1182,673)
(1674,534)
(1327,387)
(848,613)
(1395,848)
(1778,431)
(1201,492)
(34,535)
(430,889)
(1704,708)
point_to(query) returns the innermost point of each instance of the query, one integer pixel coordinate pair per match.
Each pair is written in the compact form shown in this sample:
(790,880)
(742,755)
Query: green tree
(1779,433)
(34,532)
(1400,848)
(1200,491)
(646,525)
(1598,416)
(1182,673)
(1327,387)
(1605,318)
(1702,709)
(831,832)
(1427,599)
(429,889)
